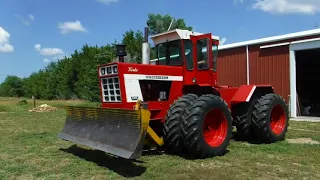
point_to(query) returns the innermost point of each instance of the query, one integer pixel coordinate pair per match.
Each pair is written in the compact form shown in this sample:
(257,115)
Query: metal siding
(232,67)
(271,66)
(267,66)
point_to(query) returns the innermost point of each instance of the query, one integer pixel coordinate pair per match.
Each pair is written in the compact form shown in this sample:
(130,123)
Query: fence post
(34,101)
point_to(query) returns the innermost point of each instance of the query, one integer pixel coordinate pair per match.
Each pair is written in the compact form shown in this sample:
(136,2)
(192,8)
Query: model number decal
(157,77)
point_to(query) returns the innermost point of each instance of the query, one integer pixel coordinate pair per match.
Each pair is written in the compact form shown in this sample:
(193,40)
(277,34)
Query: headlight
(103,71)
(109,70)
(115,69)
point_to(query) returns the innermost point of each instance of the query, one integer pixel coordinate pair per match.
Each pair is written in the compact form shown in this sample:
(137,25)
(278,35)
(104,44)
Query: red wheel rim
(215,128)
(278,119)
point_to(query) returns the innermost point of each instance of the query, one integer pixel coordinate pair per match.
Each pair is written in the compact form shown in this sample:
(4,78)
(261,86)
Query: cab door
(202,59)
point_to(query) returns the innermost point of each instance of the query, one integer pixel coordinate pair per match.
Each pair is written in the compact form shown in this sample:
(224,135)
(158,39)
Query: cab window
(202,54)
(188,54)
(169,53)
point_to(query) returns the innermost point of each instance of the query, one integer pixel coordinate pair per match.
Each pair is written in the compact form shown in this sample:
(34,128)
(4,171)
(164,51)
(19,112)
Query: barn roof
(272,39)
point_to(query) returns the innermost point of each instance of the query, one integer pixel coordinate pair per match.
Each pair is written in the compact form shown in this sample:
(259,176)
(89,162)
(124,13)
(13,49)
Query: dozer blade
(120,132)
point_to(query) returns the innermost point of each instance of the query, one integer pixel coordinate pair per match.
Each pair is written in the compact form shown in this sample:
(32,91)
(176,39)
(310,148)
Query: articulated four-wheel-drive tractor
(175,103)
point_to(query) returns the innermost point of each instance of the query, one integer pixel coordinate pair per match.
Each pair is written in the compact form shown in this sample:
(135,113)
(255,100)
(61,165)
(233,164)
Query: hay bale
(43,108)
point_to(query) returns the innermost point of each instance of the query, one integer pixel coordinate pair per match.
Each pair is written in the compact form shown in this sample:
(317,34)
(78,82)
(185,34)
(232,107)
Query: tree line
(75,77)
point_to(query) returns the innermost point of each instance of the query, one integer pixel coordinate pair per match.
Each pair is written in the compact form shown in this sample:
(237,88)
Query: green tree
(12,86)
(133,41)
(87,84)
(160,23)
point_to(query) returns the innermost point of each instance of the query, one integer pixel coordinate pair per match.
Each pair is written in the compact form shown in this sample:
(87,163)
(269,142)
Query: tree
(72,77)
(133,41)
(87,84)
(160,23)
(12,86)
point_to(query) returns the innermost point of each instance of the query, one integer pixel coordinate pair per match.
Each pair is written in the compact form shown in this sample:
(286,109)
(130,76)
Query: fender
(245,92)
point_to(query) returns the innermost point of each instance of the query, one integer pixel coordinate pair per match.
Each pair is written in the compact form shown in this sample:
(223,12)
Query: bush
(23,102)
(3,109)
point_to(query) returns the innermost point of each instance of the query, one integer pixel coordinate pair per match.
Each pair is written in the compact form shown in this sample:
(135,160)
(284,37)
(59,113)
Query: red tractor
(175,103)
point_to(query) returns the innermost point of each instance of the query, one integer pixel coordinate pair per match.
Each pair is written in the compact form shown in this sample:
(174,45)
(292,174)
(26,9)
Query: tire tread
(172,128)
(260,118)
(192,127)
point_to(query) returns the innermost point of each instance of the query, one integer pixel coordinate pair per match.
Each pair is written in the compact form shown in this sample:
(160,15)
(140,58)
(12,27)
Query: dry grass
(30,149)
(9,105)
(303,141)
(12,101)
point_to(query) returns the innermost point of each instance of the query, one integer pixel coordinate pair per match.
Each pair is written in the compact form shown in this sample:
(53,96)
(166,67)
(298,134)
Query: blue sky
(33,33)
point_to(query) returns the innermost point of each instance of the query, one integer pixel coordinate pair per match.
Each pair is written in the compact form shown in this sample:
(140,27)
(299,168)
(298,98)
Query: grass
(30,149)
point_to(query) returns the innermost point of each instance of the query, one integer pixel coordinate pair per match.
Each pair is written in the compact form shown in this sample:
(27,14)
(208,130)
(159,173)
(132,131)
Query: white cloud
(26,20)
(31,17)
(69,26)
(107,2)
(5,46)
(37,47)
(46,60)
(58,57)
(223,40)
(54,58)
(48,51)
(288,6)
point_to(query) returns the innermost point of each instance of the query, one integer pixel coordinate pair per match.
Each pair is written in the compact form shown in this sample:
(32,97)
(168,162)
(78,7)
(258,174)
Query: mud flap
(120,132)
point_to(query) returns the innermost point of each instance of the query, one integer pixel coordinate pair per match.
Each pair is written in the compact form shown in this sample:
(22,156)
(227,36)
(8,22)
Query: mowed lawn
(30,149)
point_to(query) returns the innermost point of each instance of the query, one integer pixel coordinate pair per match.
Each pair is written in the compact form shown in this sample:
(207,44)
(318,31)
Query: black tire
(192,127)
(171,128)
(243,114)
(261,117)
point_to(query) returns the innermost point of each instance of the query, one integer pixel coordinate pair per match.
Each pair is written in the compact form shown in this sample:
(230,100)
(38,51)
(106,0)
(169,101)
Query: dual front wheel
(202,126)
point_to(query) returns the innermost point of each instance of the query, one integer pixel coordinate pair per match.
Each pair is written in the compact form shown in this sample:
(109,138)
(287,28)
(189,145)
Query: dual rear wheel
(264,119)
(202,126)
(270,119)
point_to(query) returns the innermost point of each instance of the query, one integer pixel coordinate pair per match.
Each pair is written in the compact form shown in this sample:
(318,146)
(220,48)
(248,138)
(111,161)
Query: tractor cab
(196,53)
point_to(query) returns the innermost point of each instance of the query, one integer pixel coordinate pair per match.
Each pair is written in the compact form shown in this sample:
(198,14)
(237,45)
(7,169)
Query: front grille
(111,89)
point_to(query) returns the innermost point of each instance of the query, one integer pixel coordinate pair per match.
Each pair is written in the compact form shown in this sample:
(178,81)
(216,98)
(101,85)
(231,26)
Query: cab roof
(175,35)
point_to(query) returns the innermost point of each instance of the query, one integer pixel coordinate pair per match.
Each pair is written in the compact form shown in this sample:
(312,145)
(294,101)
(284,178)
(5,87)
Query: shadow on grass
(123,167)
(251,140)
(183,154)
(153,152)
(187,156)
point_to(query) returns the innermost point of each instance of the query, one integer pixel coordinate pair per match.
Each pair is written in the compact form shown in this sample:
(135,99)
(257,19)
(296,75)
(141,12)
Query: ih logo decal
(131,69)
